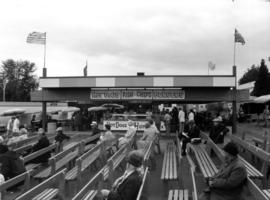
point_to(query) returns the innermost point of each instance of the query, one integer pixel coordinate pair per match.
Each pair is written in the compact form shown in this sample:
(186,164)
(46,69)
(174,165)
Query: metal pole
(234,117)
(44,103)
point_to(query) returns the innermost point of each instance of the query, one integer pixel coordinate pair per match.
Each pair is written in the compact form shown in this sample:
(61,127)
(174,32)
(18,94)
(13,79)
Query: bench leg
(166,188)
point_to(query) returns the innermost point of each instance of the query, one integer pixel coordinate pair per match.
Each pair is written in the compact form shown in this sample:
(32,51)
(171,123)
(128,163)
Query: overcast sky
(123,37)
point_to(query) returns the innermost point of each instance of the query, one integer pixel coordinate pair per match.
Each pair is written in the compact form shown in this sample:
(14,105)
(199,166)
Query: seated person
(11,163)
(127,186)
(107,135)
(95,131)
(218,131)
(129,134)
(229,181)
(191,133)
(60,136)
(43,142)
(148,136)
(23,131)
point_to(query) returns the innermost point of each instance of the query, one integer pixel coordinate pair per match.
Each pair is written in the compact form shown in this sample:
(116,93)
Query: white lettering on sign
(138,94)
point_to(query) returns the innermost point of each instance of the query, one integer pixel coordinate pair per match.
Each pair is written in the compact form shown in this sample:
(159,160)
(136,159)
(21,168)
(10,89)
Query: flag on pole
(85,70)
(211,66)
(238,37)
(36,38)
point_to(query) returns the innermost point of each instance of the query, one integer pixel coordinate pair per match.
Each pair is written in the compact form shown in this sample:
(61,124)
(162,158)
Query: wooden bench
(21,143)
(88,142)
(206,165)
(259,153)
(256,192)
(36,154)
(251,170)
(139,196)
(48,189)
(92,189)
(178,195)
(14,181)
(169,166)
(84,162)
(60,160)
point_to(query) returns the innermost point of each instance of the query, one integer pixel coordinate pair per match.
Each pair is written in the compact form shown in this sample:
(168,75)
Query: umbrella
(262,99)
(11,112)
(100,108)
(113,105)
(70,109)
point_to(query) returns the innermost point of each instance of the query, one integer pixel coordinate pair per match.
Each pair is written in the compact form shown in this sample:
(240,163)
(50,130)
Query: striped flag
(239,38)
(211,66)
(36,38)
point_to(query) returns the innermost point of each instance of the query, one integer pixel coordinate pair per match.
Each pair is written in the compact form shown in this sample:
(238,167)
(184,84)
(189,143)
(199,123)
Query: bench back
(194,193)
(256,151)
(256,191)
(39,153)
(94,185)
(143,183)
(23,142)
(91,138)
(76,149)
(97,152)
(57,179)
(24,148)
(12,182)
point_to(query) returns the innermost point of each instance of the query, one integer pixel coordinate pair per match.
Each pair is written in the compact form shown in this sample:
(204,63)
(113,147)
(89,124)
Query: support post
(234,117)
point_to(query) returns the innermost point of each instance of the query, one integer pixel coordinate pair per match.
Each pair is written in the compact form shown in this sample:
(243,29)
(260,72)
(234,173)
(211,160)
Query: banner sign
(123,125)
(171,94)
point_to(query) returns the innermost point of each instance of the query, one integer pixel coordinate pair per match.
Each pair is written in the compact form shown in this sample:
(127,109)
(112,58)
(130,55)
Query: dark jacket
(42,143)
(217,133)
(192,131)
(3,148)
(129,189)
(60,137)
(12,165)
(228,183)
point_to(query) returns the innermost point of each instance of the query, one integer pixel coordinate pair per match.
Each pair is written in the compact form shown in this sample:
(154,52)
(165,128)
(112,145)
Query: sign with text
(171,94)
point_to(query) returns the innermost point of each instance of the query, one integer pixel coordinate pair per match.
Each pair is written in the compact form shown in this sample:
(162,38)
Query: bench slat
(47,194)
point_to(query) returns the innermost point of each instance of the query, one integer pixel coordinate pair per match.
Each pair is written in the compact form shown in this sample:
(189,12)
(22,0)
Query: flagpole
(44,62)
(234,51)
(44,103)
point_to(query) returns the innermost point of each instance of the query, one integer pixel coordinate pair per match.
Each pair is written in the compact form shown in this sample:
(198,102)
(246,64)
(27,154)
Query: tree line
(261,76)
(17,79)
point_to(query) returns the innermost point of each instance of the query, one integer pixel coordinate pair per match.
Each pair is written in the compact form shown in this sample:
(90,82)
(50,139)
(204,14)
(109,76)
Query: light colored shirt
(16,125)
(167,117)
(149,134)
(2,180)
(181,116)
(191,116)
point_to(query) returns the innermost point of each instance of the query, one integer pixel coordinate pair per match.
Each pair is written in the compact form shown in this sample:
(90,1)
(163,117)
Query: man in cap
(127,186)
(228,183)
(218,131)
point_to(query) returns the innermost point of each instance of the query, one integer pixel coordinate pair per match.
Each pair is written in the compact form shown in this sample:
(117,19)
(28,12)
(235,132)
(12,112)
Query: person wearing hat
(43,142)
(218,131)
(131,131)
(60,136)
(126,187)
(230,180)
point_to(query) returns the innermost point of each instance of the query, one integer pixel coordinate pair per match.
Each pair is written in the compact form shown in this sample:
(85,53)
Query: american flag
(36,38)
(239,38)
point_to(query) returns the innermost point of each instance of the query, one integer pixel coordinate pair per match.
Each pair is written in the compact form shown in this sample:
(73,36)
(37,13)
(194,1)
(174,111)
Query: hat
(93,123)
(231,148)
(41,131)
(135,158)
(1,139)
(59,129)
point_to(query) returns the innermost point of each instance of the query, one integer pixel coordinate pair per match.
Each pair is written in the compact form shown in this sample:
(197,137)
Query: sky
(123,37)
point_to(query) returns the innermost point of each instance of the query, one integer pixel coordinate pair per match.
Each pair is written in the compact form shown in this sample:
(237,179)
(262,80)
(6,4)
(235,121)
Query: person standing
(16,125)
(191,115)
(10,126)
(167,119)
(265,115)
(230,180)
(181,117)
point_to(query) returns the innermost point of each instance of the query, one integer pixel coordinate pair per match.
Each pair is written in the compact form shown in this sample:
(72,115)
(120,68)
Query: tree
(20,80)
(262,83)
(250,75)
